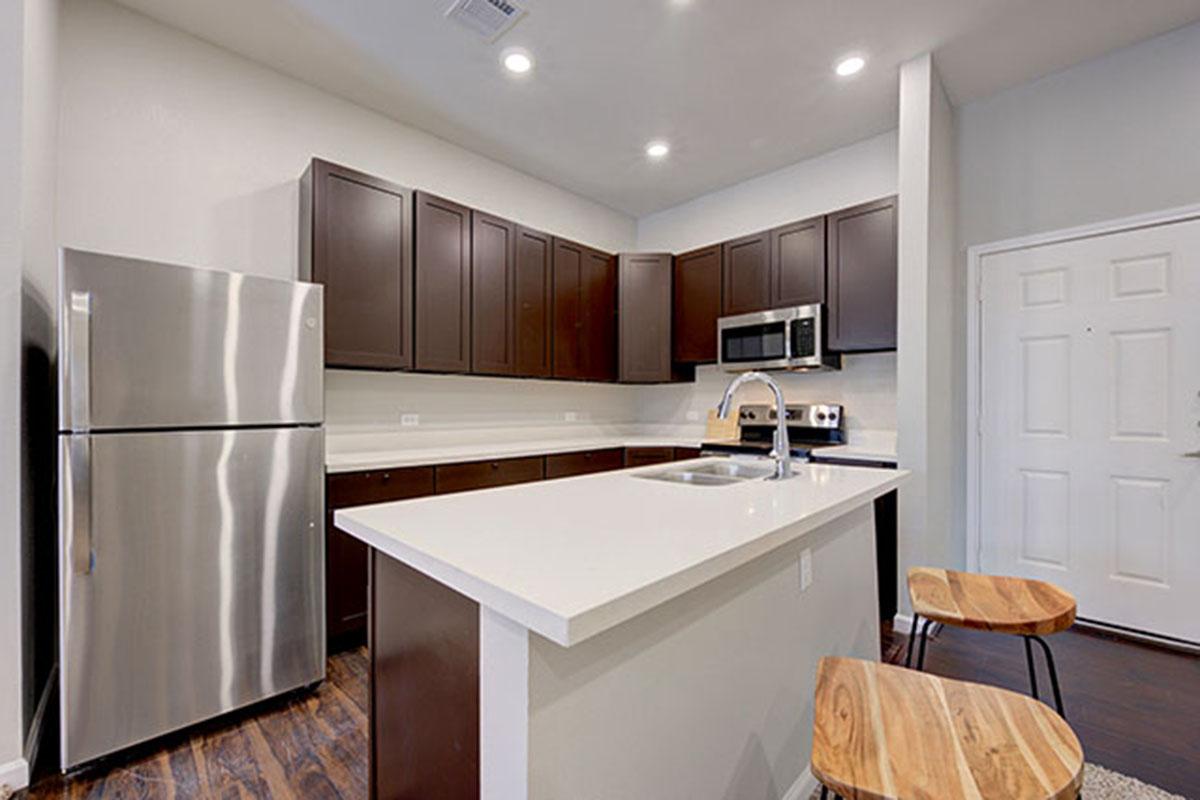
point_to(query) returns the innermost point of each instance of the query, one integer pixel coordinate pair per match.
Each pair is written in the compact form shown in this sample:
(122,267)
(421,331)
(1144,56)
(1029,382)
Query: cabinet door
(862,277)
(798,263)
(355,239)
(644,317)
(346,557)
(645,456)
(697,304)
(746,274)
(442,285)
(533,303)
(493,288)
(568,322)
(598,315)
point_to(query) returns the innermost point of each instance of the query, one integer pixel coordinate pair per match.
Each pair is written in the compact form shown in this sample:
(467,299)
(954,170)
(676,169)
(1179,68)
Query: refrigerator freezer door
(147,345)
(199,588)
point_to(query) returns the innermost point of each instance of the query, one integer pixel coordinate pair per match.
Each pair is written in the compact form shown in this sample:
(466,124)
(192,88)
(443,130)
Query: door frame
(975,256)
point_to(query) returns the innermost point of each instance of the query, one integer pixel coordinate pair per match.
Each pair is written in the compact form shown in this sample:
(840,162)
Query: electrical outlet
(410,420)
(571,416)
(806,576)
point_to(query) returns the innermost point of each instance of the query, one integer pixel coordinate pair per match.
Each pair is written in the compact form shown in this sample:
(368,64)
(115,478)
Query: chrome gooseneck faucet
(781,448)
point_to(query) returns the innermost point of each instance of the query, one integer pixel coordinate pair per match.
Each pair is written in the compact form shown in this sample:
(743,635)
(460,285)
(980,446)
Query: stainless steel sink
(735,469)
(714,473)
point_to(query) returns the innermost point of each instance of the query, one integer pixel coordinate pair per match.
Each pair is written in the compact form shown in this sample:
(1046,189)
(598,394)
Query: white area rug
(1104,784)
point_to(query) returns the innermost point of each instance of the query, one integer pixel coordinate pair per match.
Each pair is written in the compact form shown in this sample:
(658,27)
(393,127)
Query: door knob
(1195,454)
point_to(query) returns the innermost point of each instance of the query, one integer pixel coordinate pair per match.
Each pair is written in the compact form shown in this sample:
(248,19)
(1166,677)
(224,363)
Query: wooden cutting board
(722,430)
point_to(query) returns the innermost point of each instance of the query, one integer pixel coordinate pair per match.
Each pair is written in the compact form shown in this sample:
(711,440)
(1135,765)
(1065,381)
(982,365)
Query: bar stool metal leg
(912,638)
(924,641)
(1033,687)
(1058,701)
(824,793)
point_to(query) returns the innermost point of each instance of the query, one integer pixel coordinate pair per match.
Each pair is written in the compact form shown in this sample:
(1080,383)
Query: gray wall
(1115,136)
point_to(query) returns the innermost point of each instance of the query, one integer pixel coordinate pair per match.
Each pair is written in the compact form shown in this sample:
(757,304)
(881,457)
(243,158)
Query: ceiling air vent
(488,18)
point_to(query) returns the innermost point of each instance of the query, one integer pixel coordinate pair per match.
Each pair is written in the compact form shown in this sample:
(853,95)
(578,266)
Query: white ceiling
(739,87)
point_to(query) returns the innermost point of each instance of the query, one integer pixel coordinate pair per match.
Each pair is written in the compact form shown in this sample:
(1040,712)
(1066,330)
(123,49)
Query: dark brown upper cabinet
(644,315)
(746,274)
(798,263)
(584,311)
(493,290)
(533,302)
(442,285)
(862,277)
(696,305)
(356,240)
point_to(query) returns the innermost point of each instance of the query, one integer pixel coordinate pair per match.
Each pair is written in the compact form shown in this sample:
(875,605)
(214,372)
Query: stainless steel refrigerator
(191,495)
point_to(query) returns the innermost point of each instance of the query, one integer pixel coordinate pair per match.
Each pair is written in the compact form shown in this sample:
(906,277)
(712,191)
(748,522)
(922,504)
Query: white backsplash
(366,403)
(866,386)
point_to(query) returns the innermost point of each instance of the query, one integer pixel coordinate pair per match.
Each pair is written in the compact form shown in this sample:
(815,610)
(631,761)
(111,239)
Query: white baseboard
(902,623)
(14,776)
(803,788)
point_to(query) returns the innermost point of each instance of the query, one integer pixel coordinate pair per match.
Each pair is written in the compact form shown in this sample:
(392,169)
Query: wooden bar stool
(881,731)
(1027,608)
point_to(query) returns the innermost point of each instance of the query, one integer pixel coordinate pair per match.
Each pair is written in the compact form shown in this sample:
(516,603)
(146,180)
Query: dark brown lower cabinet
(346,557)
(684,453)
(488,474)
(424,651)
(645,456)
(565,465)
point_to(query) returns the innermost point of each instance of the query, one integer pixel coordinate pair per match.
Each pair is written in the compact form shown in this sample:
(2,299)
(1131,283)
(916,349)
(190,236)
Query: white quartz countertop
(572,557)
(420,456)
(397,452)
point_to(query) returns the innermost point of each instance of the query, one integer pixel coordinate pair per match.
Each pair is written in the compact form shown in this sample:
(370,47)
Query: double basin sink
(712,473)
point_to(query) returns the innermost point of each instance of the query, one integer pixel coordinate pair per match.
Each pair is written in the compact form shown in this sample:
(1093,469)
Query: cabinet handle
(495,465)
(387,476)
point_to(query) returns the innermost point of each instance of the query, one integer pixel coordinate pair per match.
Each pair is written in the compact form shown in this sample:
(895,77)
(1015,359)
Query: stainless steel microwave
(780,339)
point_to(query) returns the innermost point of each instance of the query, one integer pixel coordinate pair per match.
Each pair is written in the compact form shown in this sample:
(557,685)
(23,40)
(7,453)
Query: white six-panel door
(1090,423)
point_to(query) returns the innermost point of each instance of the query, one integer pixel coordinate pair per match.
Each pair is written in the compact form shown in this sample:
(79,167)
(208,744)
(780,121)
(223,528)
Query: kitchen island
(614,635)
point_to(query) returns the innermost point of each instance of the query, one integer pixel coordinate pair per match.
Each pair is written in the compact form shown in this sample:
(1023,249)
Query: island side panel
(709,695)
(424,681)
(503,707)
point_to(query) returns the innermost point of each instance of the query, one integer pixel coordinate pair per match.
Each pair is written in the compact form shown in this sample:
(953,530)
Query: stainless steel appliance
(809,426)
(780,339)
(191,494)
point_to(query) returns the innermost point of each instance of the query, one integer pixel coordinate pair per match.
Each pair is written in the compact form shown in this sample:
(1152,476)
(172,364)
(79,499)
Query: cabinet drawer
(563,465)
(378,486)
(684,453)
(488,474)
(644,456)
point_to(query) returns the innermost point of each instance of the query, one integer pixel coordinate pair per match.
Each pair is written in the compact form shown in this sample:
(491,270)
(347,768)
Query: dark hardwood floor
(1135,708)
(310,745)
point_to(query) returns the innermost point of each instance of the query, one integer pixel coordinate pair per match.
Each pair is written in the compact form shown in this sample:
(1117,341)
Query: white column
(932,323)
(503,707)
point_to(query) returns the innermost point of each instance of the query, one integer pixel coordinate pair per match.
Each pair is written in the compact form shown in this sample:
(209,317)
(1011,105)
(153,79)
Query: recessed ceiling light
(849,66)
(517,61)
(657,149)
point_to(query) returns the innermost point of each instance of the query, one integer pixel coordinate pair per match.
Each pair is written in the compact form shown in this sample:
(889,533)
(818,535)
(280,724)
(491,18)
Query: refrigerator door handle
(79,359)
(79,515)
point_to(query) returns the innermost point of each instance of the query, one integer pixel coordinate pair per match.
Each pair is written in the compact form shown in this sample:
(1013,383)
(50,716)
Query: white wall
(843,177)
(178,150)
(1108,138)
(930,377)
(11,107)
